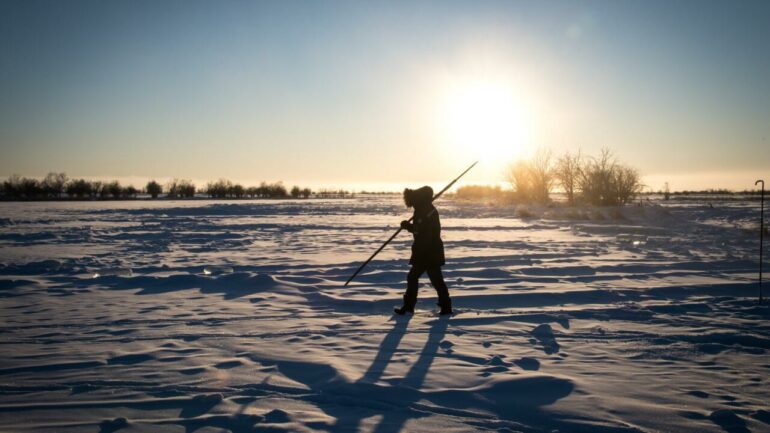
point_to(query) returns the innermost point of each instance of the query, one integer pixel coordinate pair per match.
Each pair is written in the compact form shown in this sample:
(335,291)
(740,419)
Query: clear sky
(374,93)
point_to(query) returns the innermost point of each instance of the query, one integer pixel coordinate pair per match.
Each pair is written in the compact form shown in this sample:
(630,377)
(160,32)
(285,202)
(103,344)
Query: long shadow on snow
(515,399)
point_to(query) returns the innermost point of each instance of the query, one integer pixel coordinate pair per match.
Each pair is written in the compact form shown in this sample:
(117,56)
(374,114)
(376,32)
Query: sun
(485,120)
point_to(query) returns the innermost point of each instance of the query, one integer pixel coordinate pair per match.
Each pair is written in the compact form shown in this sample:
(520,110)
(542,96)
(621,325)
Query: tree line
(601,180)
(58,186)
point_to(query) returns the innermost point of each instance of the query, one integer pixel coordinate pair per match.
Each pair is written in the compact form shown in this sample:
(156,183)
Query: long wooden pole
(360,268)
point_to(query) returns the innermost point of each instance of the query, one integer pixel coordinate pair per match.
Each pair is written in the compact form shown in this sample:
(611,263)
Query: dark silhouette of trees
(53,184)
(180,188)
(277,190)
(129,192)
(153,188)
(102,190)
(219,189)
(96,189)
(78,188)
(113,188)
(334,193)
(237,191)
(223,188)
(56,184)
(12,186)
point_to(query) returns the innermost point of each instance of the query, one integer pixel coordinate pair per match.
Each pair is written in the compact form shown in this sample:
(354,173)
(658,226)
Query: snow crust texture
(205,316)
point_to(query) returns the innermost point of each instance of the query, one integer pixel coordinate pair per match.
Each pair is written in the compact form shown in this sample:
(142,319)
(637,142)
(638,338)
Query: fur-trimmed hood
(419,197)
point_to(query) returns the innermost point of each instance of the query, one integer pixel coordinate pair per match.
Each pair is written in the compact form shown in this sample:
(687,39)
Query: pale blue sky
(347,93)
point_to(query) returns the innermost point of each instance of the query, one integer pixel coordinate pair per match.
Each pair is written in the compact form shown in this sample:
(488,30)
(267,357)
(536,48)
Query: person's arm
(406,225)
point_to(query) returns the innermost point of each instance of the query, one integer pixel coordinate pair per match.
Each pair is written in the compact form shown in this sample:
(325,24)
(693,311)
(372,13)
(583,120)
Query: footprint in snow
(544,335)
(112,425)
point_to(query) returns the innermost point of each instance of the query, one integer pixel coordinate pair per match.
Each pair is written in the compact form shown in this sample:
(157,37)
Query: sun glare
(486,121)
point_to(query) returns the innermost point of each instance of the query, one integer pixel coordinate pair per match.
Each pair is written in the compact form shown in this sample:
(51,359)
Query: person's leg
(437,280)
(412,283)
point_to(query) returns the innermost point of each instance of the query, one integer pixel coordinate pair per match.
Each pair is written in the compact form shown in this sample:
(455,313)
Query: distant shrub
(533,180)
(180,188)
(153,188)
(605,182)
(296,192)
(617,214)
(332,193)
(481,192)
(523,212)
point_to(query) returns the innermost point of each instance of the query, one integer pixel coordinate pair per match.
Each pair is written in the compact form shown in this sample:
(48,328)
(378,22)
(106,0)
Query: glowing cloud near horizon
(485,120)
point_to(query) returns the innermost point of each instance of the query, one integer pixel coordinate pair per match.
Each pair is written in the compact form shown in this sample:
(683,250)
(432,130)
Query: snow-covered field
(570,320)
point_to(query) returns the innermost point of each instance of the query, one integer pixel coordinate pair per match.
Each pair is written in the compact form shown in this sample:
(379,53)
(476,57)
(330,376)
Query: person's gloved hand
(405,225)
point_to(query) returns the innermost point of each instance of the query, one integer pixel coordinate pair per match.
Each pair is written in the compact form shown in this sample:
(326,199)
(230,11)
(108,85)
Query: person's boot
(403,310)
(446,307)
(408,307)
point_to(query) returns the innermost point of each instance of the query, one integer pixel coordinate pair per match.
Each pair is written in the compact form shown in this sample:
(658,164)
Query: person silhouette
(427,250)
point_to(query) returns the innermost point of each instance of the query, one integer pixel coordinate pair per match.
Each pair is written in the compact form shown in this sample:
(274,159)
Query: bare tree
(626,184)
(533,180)
(520,177)
(567,173)
(596,179)
(542,174)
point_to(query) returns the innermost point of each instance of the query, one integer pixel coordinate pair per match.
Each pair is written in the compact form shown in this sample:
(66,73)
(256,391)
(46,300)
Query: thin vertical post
(761,232)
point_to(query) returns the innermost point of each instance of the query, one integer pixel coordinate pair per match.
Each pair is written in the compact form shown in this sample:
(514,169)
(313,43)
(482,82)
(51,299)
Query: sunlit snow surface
(231,316)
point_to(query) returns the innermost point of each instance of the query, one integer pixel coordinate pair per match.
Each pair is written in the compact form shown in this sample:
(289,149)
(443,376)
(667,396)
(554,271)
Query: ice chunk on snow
(632,239)
(217,270)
